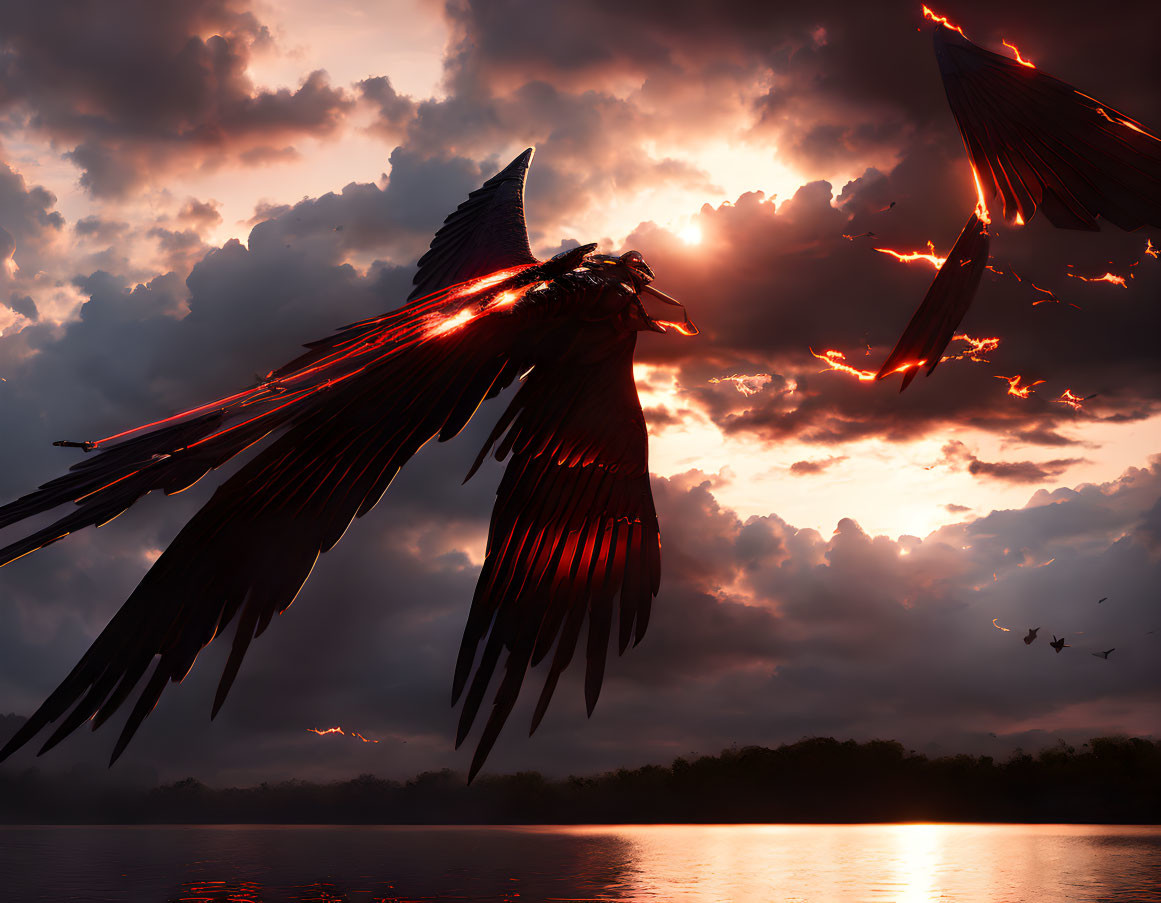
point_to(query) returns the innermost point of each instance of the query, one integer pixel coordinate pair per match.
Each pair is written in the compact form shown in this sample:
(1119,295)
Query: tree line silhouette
(820,780)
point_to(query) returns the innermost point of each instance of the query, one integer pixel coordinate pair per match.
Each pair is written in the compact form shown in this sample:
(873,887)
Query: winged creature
(573,536)
(1043,145)
(1059,644)
(1031,637)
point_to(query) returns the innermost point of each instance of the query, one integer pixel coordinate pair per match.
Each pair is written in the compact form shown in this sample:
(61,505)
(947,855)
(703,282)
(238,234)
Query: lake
(921,863)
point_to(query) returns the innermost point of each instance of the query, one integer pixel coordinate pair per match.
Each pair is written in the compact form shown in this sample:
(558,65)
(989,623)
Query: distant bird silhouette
(1059,644)
(573,531)
(1043,145)
(1099,601)
(1032,631)
(1104,654)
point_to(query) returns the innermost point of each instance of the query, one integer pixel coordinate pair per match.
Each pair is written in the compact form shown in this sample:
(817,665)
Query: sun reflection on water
(889,863)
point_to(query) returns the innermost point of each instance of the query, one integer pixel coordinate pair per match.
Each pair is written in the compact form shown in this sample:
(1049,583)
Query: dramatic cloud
(957,455)
(162,86)
(765,631)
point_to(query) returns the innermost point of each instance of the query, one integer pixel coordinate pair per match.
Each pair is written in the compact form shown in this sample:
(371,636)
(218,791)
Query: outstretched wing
(244,556)
(947,300)
(1045,145)
(484,234)
(573,530)
(355,408)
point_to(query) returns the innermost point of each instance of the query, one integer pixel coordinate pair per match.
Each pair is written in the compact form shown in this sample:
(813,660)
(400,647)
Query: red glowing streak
(1150,250)
(976,348)
(1005,629)
(1112,278)
(942,20)
(454,322)
(981,204)
(836,360)
(910,256)
(492,279)
(329,730)
(1073,401)
(349,351)
(680,328)
(361,737)
(1117,120)
(1019,59)
(1017,390)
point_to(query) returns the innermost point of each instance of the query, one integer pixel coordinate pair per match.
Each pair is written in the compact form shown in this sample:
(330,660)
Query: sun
(691,234)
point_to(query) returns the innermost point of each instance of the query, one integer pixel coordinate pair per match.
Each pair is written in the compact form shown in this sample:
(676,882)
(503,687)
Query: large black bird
(1043,145)
(573,530)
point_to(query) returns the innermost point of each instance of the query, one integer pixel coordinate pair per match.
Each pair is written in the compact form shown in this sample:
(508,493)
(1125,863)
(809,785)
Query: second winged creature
(1042,145)
(573,541)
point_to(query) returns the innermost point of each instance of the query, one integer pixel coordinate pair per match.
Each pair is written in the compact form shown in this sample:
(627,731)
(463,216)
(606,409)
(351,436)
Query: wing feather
(1042,144)
(572,517)
(484,234)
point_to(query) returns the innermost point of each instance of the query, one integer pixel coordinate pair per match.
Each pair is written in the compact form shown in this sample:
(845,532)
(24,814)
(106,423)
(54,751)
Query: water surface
(680,863)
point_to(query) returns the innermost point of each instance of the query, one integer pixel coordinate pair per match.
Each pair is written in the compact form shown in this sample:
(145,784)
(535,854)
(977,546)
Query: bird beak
(664,318)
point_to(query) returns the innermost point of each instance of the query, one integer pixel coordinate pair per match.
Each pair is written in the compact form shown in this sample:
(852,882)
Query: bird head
(635,274)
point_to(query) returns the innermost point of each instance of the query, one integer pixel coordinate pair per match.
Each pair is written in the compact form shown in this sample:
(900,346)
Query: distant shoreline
(1108,781)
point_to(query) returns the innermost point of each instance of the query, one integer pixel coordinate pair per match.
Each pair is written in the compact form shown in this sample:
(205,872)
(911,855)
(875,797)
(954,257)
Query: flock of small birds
(1058,642)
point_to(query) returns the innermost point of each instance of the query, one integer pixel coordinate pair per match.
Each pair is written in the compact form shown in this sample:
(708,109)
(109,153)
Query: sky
(188,192)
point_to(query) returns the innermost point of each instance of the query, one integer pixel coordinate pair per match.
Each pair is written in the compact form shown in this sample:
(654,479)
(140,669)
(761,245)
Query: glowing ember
(998,627)
(1019,59)
(747,385)
(354,735)
(910,256)
(1150,250)
(1112,278)
(1073,401)
(942,20)
(1017,390)
(976,348)
(691,234)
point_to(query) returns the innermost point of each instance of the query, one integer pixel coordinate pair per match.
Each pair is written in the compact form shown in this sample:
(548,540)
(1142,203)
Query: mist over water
(917,863)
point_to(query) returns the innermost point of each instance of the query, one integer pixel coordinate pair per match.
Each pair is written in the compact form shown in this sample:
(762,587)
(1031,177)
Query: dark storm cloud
(957,456)
(784,281)
(161,86)
(100,229)
(24,306)
(394,110)
(30,230)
